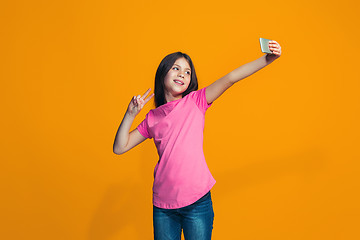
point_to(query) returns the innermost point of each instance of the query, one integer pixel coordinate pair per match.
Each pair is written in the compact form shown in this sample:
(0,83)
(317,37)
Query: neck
(169,97)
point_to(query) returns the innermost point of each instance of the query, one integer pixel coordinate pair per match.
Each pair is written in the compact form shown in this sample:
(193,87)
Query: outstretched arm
(124,141)
(218,87)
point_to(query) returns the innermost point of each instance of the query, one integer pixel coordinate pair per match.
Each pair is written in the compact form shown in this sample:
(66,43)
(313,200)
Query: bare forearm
(122,135)
(250,68)
(124,139)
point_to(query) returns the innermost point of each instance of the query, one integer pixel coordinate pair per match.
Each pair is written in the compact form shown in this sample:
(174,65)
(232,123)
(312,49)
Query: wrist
(130,115)
(270,58)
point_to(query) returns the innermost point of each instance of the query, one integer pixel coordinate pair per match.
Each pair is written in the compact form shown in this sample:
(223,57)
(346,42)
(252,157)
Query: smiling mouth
(179,82)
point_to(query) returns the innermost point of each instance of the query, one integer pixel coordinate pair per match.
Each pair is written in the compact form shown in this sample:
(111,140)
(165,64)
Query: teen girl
(182,180)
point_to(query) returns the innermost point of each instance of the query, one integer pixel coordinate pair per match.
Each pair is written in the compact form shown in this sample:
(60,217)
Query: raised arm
(124,140)
(218,87)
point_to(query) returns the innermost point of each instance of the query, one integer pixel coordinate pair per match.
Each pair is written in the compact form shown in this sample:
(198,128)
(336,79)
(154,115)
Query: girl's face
(178,78)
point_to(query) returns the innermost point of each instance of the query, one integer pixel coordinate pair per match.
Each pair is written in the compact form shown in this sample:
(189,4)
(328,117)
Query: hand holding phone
(264,44)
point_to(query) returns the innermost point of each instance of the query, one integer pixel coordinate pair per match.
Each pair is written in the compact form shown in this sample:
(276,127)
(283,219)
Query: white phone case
(264,44)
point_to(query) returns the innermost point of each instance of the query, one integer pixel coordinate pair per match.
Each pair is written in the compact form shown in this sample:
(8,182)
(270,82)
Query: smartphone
(264,44)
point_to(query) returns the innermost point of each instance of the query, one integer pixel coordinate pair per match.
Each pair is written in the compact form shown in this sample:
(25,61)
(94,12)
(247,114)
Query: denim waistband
(203,198)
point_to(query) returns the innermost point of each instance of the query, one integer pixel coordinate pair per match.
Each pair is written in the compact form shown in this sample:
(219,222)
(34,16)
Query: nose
(181,75)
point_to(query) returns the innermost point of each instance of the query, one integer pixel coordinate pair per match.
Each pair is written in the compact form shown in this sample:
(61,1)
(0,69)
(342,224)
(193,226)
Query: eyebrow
(180,66)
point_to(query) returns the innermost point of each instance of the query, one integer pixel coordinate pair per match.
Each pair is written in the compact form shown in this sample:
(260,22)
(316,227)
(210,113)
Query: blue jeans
(196,220)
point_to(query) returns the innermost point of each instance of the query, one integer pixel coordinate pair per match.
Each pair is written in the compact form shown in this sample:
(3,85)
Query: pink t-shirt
(181,176)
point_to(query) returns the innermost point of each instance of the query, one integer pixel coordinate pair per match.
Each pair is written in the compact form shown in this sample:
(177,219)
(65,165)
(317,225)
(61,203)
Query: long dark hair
(163,69)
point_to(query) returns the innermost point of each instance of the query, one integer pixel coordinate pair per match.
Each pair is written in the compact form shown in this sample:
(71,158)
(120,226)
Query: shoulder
(199,98)
(197,93)
(149,114)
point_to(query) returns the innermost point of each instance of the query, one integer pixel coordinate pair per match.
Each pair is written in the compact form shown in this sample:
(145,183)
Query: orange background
(283,144)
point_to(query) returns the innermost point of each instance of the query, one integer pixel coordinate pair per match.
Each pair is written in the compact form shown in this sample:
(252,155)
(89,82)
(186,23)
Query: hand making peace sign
(138,102)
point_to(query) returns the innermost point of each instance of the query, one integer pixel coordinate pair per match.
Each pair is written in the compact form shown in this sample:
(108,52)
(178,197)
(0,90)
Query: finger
(147,99)
(146,93)
(139,103)
(135,101)
(276,53)
(275,47)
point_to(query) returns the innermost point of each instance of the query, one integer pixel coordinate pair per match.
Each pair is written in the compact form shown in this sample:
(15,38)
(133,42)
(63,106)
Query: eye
(188,72)
(175,67)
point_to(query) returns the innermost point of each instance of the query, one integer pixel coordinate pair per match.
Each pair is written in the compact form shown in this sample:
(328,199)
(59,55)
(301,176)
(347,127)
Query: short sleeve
(200,99)
(143,127)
